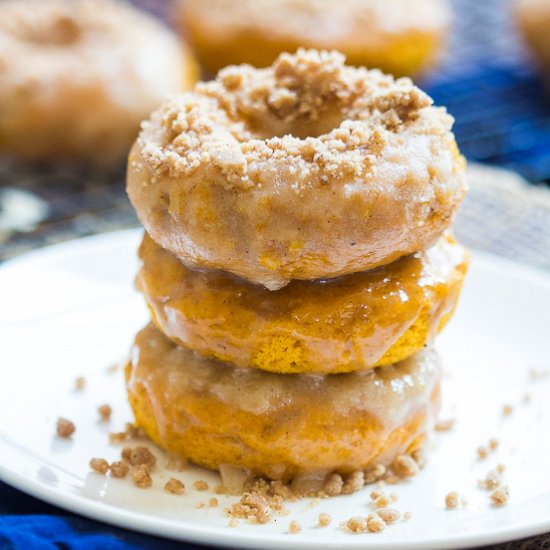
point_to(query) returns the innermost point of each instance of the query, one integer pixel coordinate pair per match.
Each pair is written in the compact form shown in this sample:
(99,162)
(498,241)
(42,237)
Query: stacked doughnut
(296,265)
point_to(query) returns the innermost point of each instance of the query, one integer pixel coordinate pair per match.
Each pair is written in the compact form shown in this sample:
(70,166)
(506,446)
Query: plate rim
(189,532)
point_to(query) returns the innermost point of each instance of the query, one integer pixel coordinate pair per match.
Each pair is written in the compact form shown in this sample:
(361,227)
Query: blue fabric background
(27,523)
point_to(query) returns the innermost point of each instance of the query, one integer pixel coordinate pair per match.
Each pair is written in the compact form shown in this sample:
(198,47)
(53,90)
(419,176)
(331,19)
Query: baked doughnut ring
(375,33)
(346,324)
(309,169)
(533,18)
(78,76)
(275,425)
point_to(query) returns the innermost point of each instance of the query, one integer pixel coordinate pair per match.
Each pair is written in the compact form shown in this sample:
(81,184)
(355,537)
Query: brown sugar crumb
(482,452)
(174,486)
(404,466)
(130,432)
(491,481)
(375,473)
(354,483)
(389,515)
(177,464)
(394,497)
(507,410)
(407,516)
(375,494)
(141,476)
(252,506)
(324,520)
(117,438)
(493,443)
(381,502)
(112,368)
(105,412)
(500,468)
(65,428)
(200,485)
(220,489)
(445,425)
(99,465)
(139,456)
(233,522)
(500,496)
(357,525)
(294,527)
(79,383)
(375,523)
(201,505)
(452,500)
(213,502)
(333,485)
(119,469)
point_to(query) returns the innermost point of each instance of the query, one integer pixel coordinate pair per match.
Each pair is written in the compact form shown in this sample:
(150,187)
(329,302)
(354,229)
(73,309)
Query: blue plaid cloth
(27,523)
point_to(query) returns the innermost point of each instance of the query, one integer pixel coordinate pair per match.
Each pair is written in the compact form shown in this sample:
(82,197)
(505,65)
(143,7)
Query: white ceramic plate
(71,310)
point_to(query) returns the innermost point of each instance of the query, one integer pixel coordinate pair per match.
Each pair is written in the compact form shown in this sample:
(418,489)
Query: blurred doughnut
(351,323)
(534,21)
(308,169)
(396,37)
(78,76)
(278,426)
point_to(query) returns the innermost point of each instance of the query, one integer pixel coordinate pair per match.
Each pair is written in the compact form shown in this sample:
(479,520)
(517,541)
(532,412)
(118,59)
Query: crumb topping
(320,118)
(65,428)
(324,520)
(389,515)
(139,456)
(294,527)
(119,469)
(99,465)
(174,486)
(200,485)
(105,412)
(445,425)
(500,496)
(141,476)
(452,500)
(405,466)
(79,383)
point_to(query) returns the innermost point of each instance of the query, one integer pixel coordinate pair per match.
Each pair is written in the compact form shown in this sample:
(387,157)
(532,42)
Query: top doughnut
(308,169)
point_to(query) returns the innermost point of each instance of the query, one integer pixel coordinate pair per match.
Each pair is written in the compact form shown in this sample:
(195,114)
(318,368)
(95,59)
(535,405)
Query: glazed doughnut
(278,426)
(534,19)
(346,324)
(308,169)
(391,36)
(78,76)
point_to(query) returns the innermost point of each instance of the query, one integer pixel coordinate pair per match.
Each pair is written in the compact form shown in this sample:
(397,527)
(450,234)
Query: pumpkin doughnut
(278,426)
(78,76)
(392,36)
(346,324)
(308,169)
(534,20)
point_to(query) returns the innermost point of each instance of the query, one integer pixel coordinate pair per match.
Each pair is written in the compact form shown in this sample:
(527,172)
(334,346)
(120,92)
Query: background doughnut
(78,76)
(375,33)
